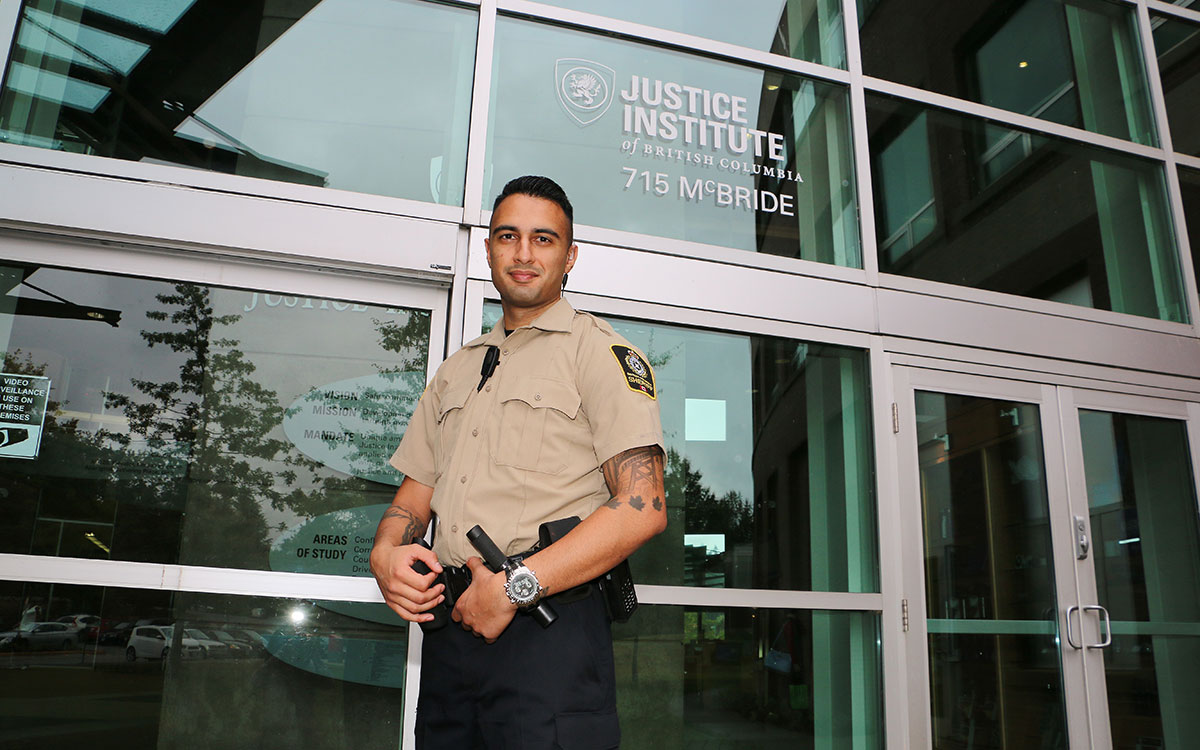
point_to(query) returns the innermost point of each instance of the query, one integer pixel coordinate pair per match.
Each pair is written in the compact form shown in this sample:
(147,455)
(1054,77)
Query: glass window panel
(1177,45)
(673,145)
(1074,62)
(1017,212)
(382,109)
(806,29)
(995,676)
(736,678)
(1189,186)
(1145,530)
(769,475)
(238,671)
(203,425)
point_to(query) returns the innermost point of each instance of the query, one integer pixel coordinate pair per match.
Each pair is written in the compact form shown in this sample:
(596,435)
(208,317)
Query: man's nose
(524,252)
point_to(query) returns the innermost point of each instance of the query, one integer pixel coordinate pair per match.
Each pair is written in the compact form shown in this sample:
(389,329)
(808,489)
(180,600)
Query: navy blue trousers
(535,688)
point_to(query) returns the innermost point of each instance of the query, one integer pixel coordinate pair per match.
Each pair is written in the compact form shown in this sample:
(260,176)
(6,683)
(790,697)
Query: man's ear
(572,254)
(487,250)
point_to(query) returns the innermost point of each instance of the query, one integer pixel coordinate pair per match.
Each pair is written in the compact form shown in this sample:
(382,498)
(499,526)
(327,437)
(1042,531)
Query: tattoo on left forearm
(414,527)
(636,502)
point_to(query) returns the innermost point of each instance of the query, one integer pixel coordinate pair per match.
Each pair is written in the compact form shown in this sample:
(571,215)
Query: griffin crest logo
(585,88)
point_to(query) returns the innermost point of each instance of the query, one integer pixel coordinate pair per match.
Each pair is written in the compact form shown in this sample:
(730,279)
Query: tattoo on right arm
(414,527)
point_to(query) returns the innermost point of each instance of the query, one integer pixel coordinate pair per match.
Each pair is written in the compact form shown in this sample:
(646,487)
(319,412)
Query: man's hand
(408,593)
(484,609)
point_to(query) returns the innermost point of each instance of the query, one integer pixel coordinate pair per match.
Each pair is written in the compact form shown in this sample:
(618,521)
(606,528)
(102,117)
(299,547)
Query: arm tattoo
(630,469)
(414,527)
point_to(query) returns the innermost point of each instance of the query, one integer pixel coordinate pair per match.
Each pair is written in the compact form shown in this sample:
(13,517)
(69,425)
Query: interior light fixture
(1023,64)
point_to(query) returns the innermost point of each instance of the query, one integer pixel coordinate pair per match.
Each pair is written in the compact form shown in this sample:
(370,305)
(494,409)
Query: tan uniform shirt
(568,394)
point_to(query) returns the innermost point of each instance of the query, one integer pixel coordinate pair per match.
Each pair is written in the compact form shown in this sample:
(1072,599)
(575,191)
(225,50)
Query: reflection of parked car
(117,635)
(39,635)
(238,646)
(154,642)
(212,647)
(85,627)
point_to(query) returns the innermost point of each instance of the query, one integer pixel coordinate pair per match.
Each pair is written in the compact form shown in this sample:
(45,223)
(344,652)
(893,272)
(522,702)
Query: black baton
(496,562)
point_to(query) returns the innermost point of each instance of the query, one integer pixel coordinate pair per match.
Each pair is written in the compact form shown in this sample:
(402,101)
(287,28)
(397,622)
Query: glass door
(987,571)
(1138,621)
(1052,565)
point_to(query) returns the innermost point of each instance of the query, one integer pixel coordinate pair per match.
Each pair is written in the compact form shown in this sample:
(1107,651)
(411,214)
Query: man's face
(528,252)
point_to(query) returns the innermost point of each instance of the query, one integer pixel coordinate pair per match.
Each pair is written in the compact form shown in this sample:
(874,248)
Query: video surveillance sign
(23,400)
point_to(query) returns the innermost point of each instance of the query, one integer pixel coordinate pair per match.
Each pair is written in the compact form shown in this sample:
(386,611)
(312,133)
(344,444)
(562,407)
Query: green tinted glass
(370,96)
(1077,63)
(971,203)
(731,678)
(769,475)
(1177,44)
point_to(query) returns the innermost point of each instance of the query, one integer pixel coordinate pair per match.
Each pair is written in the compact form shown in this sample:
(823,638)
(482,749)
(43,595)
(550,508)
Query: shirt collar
(556,318)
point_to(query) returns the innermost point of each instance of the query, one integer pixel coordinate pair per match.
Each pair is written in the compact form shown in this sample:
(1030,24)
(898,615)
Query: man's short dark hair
(540,187)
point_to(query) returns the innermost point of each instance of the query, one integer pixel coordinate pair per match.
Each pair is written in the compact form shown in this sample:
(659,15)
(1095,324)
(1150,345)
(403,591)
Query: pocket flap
(541,393)
(590,731)
(453,399)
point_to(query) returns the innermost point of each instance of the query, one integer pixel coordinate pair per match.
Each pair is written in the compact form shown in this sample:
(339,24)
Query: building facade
(916,277)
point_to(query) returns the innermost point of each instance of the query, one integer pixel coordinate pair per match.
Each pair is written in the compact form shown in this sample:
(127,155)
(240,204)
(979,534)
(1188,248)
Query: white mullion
(698,596)
(170,176)
(889,521)
(10,14)
(1174,193)
(861,145)
(1006,117)
(478,131)
(1187,14)
(1187,160)
(672,39)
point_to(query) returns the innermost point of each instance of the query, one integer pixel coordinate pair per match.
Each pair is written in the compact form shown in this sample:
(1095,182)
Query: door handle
(1107,630)
(1071,640)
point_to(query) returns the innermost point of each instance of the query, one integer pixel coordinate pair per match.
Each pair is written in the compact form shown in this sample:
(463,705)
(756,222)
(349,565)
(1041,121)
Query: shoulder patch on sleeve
(638,375)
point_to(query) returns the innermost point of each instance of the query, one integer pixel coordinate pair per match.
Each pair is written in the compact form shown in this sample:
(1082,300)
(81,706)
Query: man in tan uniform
(566,424)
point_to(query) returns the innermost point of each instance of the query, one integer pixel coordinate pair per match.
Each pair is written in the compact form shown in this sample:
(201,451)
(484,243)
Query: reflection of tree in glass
(384,408)
(215,423)
(705,512)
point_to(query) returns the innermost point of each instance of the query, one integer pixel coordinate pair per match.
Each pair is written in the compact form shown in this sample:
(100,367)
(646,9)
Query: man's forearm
(407,518)
(635,514)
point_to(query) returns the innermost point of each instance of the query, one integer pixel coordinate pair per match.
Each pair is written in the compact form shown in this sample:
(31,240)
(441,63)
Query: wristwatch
(521,585)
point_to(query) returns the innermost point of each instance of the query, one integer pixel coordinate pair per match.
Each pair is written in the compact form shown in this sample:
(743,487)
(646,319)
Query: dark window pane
(1177,44)
(736,678)
(674,145)
(204,425)
(370,96)
(1077,63)
(806,29)
(1189,186)
(968,202)
(164,669)
(995,677)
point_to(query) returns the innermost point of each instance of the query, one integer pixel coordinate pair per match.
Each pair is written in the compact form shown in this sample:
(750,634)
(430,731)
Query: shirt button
(475,432)
(488,388)
(504,352)
(537,397)
(454,527)
(463,479)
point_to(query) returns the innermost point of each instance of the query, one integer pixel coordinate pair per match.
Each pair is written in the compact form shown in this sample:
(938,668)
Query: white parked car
(40,635)
(212,647)
(154,642)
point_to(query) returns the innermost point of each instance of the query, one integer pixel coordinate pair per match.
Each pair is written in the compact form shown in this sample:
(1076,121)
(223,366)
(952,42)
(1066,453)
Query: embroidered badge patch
(638,375)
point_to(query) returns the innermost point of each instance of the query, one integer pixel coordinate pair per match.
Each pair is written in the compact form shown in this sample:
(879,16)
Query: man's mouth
(522,274)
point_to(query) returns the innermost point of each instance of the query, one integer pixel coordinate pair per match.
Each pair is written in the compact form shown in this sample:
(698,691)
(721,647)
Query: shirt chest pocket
(537,418)
(450,420)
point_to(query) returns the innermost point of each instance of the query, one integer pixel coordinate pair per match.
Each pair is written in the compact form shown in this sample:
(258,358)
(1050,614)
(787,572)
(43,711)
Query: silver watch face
(523,587)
